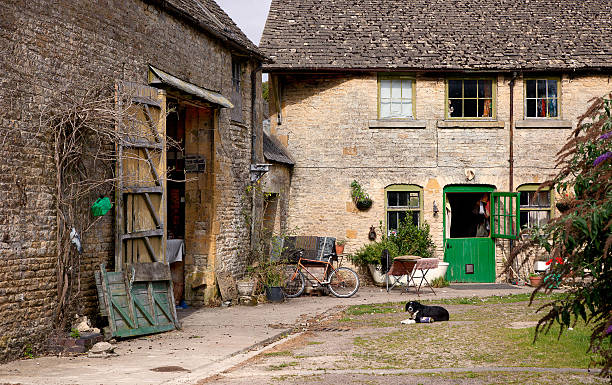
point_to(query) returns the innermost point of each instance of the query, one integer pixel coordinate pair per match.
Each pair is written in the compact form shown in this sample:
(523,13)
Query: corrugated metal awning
(157,77)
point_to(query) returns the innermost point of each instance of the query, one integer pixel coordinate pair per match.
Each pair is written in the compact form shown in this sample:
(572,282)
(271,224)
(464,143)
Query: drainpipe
(511,149)
(511,145)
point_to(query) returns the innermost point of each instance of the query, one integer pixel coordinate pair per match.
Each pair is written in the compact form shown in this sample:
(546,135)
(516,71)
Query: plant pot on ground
(340,246)
(272,276)
(535,280)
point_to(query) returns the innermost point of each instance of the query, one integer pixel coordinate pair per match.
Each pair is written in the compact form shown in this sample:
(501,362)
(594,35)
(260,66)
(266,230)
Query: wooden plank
(151,272)
(147,243)
(107,299)
(151,123)
(139,144)
(153,169)
(142,234)
(157,298)
(152,211)
(142,190)
(146,101)
(143,310)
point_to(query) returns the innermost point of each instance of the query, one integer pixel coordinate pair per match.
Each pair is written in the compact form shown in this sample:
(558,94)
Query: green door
(473,217)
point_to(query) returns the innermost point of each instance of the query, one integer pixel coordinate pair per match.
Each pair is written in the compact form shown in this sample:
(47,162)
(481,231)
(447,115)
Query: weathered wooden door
(140,170)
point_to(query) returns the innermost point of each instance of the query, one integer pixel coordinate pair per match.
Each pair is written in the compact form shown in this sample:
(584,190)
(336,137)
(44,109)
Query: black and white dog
(424,314)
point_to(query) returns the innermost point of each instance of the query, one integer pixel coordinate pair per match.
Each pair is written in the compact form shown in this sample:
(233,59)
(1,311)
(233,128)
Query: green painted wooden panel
(480,252)
(137,308)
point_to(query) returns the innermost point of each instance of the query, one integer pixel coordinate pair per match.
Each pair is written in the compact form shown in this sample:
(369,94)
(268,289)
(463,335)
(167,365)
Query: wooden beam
(142,234)
(153,169)
(152,125)
(150,249)
(147,199)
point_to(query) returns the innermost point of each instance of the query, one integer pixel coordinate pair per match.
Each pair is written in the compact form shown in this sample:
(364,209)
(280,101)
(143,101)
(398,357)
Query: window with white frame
(396,97)
(401,202)
(536,206)
(542,98)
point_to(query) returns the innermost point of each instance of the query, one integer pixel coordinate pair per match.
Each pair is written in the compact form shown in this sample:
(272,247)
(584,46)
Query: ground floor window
(536,208)
(401,202)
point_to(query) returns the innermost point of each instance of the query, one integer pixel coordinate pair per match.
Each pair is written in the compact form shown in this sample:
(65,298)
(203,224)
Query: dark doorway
(470,215)
(175,131)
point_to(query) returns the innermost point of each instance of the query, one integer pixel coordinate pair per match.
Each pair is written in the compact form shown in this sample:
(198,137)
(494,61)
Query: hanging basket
(363,204)
(101,207)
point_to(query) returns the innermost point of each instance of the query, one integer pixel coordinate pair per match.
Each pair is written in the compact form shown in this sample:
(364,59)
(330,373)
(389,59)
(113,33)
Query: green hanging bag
(101,207)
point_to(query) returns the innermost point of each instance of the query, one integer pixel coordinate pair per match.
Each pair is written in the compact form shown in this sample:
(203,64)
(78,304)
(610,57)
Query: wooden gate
(140,169)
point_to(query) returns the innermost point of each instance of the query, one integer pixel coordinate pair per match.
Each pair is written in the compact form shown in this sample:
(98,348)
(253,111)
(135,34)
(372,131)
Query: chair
(414,268)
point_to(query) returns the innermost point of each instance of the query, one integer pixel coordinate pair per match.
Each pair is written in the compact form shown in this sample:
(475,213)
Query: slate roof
(274,151)
(208,15)
(438,34)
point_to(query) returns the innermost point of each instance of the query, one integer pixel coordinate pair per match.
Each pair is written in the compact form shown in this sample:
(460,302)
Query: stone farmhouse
(196,79)
(434,107)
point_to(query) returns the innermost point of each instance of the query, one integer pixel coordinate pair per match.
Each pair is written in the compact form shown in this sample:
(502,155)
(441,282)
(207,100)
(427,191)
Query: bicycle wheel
(343,282)
(294,283)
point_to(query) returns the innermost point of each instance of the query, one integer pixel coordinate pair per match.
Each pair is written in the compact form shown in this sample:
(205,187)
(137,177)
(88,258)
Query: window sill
(543,123)
(397,123)
(471,124)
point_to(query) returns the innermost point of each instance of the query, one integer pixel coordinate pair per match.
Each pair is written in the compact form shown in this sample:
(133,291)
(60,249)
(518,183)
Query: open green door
(473,217)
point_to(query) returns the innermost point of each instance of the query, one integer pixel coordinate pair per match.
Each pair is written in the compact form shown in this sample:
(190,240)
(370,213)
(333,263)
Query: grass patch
(495,299)
(381,308)
(315,343)
(282,366)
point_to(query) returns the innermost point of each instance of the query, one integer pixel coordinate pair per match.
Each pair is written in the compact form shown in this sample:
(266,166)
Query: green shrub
(440,282)
(370,253)
(413,240)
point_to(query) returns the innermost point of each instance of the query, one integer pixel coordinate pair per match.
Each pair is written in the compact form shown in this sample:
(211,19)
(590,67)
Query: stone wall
(49,46)
(328,123)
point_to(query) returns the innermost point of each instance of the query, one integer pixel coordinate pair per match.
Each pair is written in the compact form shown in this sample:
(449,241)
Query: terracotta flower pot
(536,281)
(339,249)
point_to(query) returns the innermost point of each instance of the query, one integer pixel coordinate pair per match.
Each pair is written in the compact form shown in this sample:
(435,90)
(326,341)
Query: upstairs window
(237,90)
(396,97)
(470,98)
(536,210)
(541,98)
(403,201)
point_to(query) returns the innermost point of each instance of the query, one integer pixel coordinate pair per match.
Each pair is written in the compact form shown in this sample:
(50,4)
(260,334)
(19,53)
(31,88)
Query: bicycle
(342,282)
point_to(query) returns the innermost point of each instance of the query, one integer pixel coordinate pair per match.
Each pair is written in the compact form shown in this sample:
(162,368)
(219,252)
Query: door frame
(454,188)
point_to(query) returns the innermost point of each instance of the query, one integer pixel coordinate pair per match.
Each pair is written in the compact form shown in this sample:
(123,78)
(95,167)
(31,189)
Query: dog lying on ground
(424,314)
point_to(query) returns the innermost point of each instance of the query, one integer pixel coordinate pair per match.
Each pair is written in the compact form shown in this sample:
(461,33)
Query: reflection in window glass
(541,98)
(395,99)
(535,208)
(470,98)
(402,205)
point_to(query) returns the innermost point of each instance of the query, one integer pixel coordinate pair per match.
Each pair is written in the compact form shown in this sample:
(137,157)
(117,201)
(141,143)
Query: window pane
(415,217)
(396,107)
(470,108)
(541,88)
(531,108)
(403,199)
(407,89)
(385,89)
(454,110)
(401,216)
(524,198)
(543,217)
(552,108)
(484,108)
(392,220)
(414,200)
(531,88)
(407,109)
(454,89)
(544,199)
(524,219)
(469,89)
(385,108)
(396,88)
(552,89)
(391,198)
(541,106)
(485,88)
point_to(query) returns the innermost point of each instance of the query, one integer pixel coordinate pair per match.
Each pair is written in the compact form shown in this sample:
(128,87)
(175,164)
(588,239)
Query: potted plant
(360,197)
(340,246)
(565,203)
(272,276)
(535,279)
(370,255)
